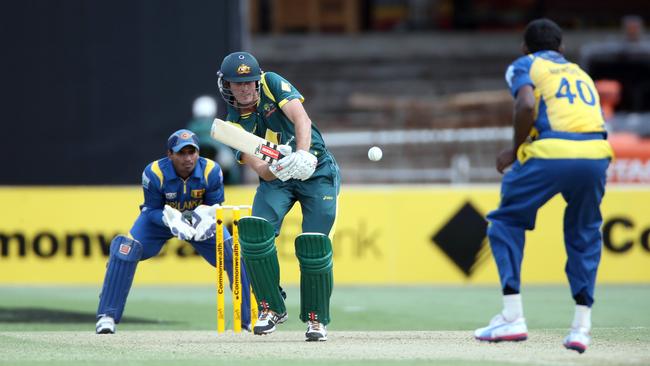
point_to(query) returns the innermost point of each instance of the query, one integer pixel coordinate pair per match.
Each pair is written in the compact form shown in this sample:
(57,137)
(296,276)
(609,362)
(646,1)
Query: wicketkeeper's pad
(124,256)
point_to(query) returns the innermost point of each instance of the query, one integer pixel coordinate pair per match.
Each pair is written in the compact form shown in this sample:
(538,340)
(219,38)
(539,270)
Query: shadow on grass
(41,315)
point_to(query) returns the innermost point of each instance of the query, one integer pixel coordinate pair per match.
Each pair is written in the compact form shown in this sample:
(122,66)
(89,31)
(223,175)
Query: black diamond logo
(463,239)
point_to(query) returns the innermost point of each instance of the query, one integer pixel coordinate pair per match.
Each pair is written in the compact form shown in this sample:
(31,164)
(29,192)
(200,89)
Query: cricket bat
(244,141)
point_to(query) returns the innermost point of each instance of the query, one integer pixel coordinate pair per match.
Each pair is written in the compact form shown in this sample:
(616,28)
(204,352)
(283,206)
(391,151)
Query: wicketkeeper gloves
(203,221)
(178,225)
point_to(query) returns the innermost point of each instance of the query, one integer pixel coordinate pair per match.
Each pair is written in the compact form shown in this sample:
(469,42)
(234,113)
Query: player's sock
(314,252)
(582,318)
(257,239)
(512,307)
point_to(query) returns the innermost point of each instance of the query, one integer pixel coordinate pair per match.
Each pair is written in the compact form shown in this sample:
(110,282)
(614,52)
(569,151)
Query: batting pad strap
(257,240)
(124,256)
(314,252)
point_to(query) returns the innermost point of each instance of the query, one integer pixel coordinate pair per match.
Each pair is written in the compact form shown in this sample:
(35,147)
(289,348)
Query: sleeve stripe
(285,101)
(208,169)
(266,89)
(156,170)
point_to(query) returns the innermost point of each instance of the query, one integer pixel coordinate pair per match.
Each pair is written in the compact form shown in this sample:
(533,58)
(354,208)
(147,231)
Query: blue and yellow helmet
(237,67)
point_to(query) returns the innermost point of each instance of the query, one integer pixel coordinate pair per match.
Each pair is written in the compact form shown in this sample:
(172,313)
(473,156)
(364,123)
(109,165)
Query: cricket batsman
(181,192)
(267,105)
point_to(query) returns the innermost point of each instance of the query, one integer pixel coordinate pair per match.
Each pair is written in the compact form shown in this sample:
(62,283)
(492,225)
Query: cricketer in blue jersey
(181,192)
(560,147)
(266,104)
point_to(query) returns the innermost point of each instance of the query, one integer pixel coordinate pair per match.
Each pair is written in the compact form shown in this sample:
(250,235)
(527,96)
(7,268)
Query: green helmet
(237,67)
(240,67)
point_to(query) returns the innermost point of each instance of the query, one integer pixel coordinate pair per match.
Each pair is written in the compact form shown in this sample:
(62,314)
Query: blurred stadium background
(92,89)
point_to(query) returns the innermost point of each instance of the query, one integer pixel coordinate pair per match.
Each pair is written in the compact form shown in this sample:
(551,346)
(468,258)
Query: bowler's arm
(523,120)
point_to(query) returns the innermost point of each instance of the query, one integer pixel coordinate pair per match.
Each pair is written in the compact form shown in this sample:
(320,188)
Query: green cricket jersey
(268,121)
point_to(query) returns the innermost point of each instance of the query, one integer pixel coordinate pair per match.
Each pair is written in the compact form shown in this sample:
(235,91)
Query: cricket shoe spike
(315,331)
(267,321)
(105,325)
(577,340)
(501,329)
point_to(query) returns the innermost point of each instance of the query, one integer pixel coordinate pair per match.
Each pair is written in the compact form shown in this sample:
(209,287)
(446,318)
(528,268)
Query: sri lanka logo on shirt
(197,193)
(243,69)
(170,195)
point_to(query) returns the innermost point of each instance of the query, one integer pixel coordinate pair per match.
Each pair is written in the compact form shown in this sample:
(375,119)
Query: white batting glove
(203,221)
(283,169)
(178,225)
(305,165)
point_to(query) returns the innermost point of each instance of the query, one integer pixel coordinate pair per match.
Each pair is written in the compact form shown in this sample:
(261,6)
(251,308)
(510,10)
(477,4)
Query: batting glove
(178,225)
(283,169)
(305,165)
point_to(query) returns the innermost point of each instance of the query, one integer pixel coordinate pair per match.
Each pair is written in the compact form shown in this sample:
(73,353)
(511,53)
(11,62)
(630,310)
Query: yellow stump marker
(236,266)
(221,303)
(236,274)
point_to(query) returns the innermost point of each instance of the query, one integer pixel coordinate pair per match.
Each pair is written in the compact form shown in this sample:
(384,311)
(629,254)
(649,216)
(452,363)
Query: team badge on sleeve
(285,86)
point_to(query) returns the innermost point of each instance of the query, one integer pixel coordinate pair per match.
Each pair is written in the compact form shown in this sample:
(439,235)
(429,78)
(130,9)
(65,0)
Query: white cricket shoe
(315,331)
(501,329)
(105,325)
(267,321)
(577,340)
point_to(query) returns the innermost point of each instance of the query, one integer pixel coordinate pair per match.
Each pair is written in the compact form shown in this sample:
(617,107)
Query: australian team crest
(268,109)
(243,69)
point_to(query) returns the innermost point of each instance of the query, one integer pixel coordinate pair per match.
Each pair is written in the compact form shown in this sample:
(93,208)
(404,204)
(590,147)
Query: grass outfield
(415,325)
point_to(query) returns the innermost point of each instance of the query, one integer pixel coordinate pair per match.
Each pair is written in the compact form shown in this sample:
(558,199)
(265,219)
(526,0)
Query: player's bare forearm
(296,113)
(523,121)
(259,166)
(523,118)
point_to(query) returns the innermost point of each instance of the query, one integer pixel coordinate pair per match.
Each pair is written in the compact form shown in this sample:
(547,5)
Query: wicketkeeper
(181,192)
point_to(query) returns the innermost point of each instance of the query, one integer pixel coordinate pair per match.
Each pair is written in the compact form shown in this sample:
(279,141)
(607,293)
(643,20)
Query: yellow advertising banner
(384,235)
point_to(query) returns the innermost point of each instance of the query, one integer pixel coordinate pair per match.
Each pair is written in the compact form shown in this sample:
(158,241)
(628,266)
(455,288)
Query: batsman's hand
(178,225)
(305,165)
(283,169)
(203,221)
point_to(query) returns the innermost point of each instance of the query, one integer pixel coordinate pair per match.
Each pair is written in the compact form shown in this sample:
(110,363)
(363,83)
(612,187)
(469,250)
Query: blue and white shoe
(577,340)
(501,329)
(105,325)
